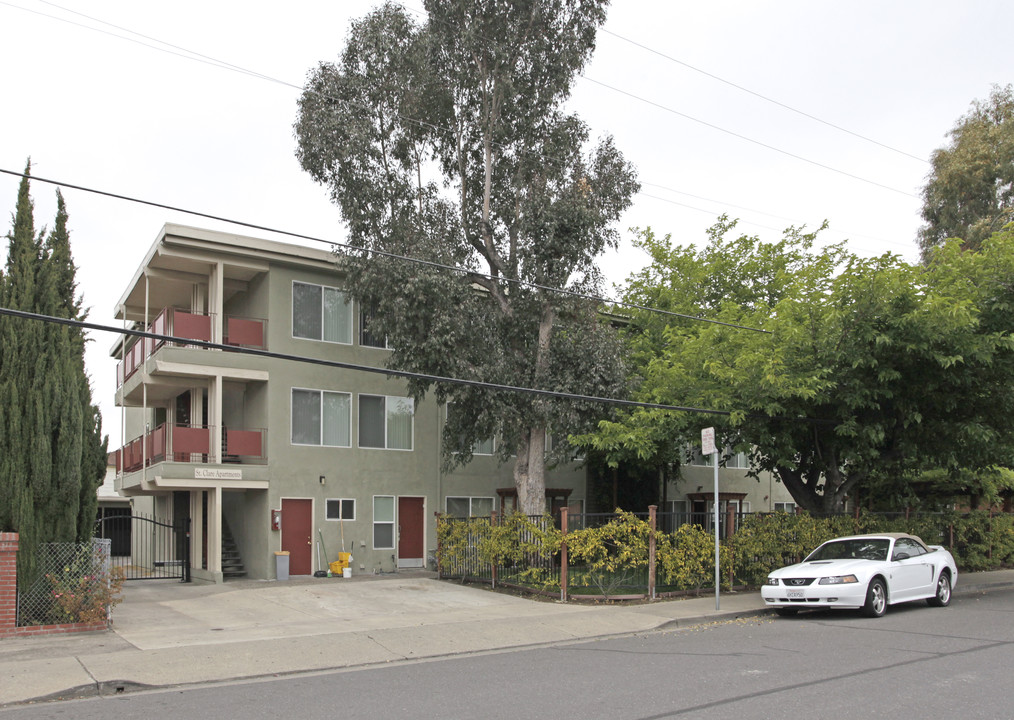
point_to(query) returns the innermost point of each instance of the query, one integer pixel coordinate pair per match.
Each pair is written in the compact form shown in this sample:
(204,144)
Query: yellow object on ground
(341,563)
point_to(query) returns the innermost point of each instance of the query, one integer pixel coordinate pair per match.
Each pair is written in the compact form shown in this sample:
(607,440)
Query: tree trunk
(530,472)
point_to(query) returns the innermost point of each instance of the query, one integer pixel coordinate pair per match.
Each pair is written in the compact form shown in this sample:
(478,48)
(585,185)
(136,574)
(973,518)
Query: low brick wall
(9,599)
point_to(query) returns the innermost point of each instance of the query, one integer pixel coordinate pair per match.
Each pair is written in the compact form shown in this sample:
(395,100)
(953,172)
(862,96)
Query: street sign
(707,441)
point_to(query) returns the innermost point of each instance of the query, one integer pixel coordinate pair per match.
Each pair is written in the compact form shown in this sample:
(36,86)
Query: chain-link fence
(75,583)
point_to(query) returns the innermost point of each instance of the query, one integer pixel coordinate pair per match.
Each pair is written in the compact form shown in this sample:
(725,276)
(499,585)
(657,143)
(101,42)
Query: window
(698,459)
(320,417)
(729,459)
(383,522)
(788,507)
(479,447)
(340,509)
(385,422)
(366,337)
(907,547)
(738,460)
(463,507)
(321,313)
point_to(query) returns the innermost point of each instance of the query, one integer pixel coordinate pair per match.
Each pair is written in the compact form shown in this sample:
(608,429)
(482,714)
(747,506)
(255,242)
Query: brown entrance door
(297,534)
(410,532)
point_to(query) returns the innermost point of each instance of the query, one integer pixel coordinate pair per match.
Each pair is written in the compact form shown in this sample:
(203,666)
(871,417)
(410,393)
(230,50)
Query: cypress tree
(52,454)
(79,452)
(20,346)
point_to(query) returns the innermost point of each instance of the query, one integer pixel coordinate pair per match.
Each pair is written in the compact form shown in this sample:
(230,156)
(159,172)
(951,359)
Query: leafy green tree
(870,367)
(447,142)
(970,192)
(52,454)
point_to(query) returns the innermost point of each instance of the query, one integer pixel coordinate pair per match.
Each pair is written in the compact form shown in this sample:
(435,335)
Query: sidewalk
(168,634)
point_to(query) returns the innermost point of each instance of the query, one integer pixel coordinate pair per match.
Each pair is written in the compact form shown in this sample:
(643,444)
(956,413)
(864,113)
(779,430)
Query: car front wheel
(876,599)
(943,595)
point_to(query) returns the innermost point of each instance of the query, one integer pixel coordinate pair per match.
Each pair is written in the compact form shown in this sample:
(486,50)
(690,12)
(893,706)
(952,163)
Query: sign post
(708,448)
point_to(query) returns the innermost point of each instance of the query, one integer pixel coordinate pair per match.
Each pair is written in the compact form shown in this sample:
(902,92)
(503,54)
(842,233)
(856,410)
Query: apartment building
(267,454)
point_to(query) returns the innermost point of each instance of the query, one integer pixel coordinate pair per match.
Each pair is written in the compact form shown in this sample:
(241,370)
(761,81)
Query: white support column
(215,530)
(216,302)
(196,529)
(215,418)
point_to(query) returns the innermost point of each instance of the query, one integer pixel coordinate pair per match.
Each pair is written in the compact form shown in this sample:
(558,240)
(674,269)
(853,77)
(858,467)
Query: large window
(385,422)
(320,417)
(321,313)
(340,509)
(463,507)
(367,337)
(383,522)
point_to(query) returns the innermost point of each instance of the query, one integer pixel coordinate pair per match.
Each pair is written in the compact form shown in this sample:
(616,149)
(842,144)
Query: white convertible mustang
(864,571)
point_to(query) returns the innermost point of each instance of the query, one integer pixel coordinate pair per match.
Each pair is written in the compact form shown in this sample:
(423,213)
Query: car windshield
(858,548)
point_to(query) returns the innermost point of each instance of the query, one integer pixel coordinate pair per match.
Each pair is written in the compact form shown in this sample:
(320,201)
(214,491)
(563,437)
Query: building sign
(218,474)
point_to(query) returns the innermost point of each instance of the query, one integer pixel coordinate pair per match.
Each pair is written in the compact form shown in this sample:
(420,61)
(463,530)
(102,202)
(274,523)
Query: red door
(297,534)
(410,532)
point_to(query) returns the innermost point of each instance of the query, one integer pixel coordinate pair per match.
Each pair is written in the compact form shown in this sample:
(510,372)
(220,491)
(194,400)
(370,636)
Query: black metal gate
(145,548)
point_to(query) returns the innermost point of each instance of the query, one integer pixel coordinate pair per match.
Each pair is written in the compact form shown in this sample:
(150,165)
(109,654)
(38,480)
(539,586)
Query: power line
(752,210)
(719,128)
(763,97)
(206,59)
(390,372)
(380,253)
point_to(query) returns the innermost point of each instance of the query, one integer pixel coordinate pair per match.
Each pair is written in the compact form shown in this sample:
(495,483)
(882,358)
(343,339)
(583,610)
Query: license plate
(795,594)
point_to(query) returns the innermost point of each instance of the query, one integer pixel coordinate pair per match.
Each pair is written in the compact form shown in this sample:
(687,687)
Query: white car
(864,571)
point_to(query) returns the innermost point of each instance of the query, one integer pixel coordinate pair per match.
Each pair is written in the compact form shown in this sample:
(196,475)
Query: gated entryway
(145,548)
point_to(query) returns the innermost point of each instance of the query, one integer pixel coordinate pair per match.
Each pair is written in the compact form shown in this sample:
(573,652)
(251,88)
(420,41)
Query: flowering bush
(83,598)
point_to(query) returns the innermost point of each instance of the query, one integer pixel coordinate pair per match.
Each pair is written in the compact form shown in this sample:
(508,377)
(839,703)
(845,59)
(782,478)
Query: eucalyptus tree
(447,141)
(970,191)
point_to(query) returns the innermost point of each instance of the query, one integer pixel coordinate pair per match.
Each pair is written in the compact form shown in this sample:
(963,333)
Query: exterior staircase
(232,563)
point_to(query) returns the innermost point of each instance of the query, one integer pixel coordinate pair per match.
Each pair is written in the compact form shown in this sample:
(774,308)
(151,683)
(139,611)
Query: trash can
(282,565)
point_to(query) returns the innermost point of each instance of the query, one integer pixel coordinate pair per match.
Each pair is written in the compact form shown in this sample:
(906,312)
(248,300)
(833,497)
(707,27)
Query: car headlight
(773,581)
(838,580)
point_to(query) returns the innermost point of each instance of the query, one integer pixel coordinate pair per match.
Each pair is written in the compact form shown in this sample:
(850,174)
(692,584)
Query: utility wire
(198,57)
(751,210)
(668,109)
(381,253)
(390,372)
(762,97)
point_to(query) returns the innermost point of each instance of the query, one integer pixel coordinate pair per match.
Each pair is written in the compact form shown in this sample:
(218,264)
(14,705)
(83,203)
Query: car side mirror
(901,555)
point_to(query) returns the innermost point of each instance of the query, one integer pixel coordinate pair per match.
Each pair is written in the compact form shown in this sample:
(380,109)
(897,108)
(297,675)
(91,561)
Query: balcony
(238,331)
(185,444)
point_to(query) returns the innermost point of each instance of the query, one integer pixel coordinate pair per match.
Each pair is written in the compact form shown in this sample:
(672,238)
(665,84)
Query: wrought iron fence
(75,583)
(148,548)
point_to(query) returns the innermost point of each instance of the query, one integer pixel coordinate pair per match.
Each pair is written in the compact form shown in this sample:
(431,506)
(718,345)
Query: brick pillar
(8,581)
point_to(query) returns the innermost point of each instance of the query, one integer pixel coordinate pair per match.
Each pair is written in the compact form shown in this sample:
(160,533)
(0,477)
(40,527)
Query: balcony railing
(239,331)
(186,444)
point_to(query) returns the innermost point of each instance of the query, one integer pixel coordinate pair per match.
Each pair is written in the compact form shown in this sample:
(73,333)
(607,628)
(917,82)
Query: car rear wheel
(876,599)
(943,595)
(786,612)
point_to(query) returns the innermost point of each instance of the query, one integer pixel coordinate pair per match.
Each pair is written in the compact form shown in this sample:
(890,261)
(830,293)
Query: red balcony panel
(190,326)
(159,327)
(156,444)
(244,331)
(191,441)
(244,442)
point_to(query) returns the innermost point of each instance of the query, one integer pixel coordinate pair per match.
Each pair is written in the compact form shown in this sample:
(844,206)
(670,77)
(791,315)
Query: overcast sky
(135,99)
